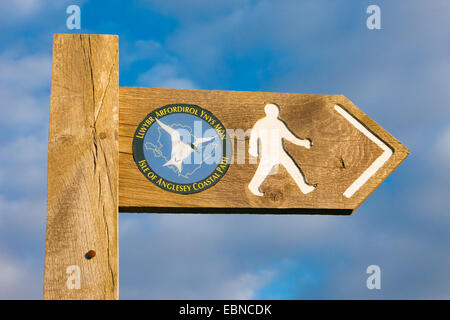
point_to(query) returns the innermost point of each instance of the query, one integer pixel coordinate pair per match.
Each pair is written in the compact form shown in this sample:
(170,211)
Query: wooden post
(82,205)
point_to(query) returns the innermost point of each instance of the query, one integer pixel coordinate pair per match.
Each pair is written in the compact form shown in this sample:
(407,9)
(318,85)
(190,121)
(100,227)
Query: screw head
(90,254)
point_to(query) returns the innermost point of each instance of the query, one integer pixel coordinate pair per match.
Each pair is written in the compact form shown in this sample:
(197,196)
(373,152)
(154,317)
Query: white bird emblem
(180,150)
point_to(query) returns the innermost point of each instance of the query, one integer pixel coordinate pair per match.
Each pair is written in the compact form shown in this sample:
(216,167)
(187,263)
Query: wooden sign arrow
(282,153)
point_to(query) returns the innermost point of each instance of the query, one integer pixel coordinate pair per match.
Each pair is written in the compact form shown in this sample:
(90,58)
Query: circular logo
(182,148)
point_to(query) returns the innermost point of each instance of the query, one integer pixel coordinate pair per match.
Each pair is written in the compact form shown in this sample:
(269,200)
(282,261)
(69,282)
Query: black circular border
(138,150)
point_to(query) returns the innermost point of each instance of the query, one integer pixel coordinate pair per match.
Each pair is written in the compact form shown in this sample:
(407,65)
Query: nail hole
(342,163)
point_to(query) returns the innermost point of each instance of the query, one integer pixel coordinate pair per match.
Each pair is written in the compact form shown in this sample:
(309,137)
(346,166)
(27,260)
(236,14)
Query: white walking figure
(180,150)
(271,131)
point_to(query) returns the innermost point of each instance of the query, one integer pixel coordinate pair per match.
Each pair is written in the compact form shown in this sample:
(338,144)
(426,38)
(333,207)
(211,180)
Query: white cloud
(18,280)
(25,216)
(19,12)
(24,83)
(24,105)
(431,195)
(23,164)
(20,108)
(21,8)
(241,30)
(31,72)
(196,9)
(409,268)
(193,262)
(165,76)
(442,151)
(244,286)
(212,256)
(143,50)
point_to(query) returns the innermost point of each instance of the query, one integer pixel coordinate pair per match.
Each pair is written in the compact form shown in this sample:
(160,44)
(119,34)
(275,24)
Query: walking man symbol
(271,131)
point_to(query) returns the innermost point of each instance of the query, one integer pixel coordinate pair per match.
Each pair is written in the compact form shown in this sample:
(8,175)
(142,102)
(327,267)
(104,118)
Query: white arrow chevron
(376,165)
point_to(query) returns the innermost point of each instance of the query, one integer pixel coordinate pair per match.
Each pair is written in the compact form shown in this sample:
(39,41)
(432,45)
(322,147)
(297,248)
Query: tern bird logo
(180,150)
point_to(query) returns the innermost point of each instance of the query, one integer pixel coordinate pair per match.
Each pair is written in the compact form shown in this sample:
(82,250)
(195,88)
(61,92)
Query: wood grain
(82,207)
(338,157)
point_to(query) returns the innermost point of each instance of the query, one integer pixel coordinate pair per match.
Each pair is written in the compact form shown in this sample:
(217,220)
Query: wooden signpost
(129,149)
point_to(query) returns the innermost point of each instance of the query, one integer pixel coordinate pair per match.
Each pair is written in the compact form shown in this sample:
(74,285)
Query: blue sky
(398,75)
